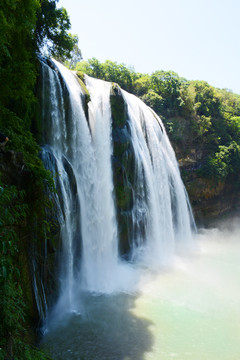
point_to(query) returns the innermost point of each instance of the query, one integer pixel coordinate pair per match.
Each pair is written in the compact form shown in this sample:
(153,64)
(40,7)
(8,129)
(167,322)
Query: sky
(198,39)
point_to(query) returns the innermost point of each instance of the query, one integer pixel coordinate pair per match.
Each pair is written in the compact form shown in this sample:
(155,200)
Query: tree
(17,53)
(109,71)
(25,27)
(51,33)
(207,99)
(168,85)
(75,57)
(234,127)
(142,85)
(154,101)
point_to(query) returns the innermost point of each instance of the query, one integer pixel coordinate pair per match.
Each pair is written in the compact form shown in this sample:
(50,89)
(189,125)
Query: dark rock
(12,168)
(123,161)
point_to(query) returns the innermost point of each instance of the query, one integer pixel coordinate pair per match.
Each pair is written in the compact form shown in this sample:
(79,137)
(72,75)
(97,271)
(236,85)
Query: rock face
(123,166)
(210,200)
(12,168)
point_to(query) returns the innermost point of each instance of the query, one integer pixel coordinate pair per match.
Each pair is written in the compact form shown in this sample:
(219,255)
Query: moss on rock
(118,106)
(123,167)
(80,77)
(86,94)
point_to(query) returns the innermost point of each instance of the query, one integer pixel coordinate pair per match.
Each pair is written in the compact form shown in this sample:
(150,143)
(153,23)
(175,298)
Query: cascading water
(168,217)
(55,156)
(100,240)
(79,152)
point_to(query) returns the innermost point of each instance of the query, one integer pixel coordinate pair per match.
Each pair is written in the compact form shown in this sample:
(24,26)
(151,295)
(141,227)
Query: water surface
(188,312)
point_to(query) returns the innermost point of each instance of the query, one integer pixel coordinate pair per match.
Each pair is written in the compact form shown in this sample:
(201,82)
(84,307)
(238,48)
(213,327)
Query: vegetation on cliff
(27,28)
(15,315)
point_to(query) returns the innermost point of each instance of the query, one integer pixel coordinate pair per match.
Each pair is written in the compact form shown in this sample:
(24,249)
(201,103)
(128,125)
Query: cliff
(211,198)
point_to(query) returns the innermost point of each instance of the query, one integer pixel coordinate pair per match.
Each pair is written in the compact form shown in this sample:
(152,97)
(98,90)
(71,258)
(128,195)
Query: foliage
(154,100)
(224,162)
(142,85)
(25,27)
(167,84)
(75,57)
(17,65)
(13,340)
(51,30)
(22,140)
(109,71)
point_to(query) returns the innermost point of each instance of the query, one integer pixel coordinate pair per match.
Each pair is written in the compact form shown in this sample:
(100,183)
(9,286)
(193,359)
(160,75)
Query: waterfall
(100,240)
(163,200)
(80,150)
(58,156)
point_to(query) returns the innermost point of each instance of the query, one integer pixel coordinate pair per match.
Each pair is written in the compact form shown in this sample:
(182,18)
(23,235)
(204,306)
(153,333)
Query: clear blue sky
(198,39)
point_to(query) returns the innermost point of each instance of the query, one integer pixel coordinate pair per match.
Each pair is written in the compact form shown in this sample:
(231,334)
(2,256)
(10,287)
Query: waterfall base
(191,312)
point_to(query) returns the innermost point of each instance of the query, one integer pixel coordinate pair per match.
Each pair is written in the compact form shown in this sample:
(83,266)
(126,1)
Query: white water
(56,135)
(100,244)
(79,152)
(167,213)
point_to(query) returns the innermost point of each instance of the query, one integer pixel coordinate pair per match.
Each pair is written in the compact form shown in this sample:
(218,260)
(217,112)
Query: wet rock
(123,161)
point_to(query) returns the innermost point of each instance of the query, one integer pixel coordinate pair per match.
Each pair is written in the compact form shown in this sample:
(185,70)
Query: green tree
(109,71)
(51,30)
(75,57)
(17,55)
(207,99)
(118,73)
(142,85)
(92,67)
(224,162)
(154,100)
(233,125)
(168,85)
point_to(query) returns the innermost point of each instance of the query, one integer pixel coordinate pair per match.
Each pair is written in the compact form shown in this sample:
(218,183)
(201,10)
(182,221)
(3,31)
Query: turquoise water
(188,312)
